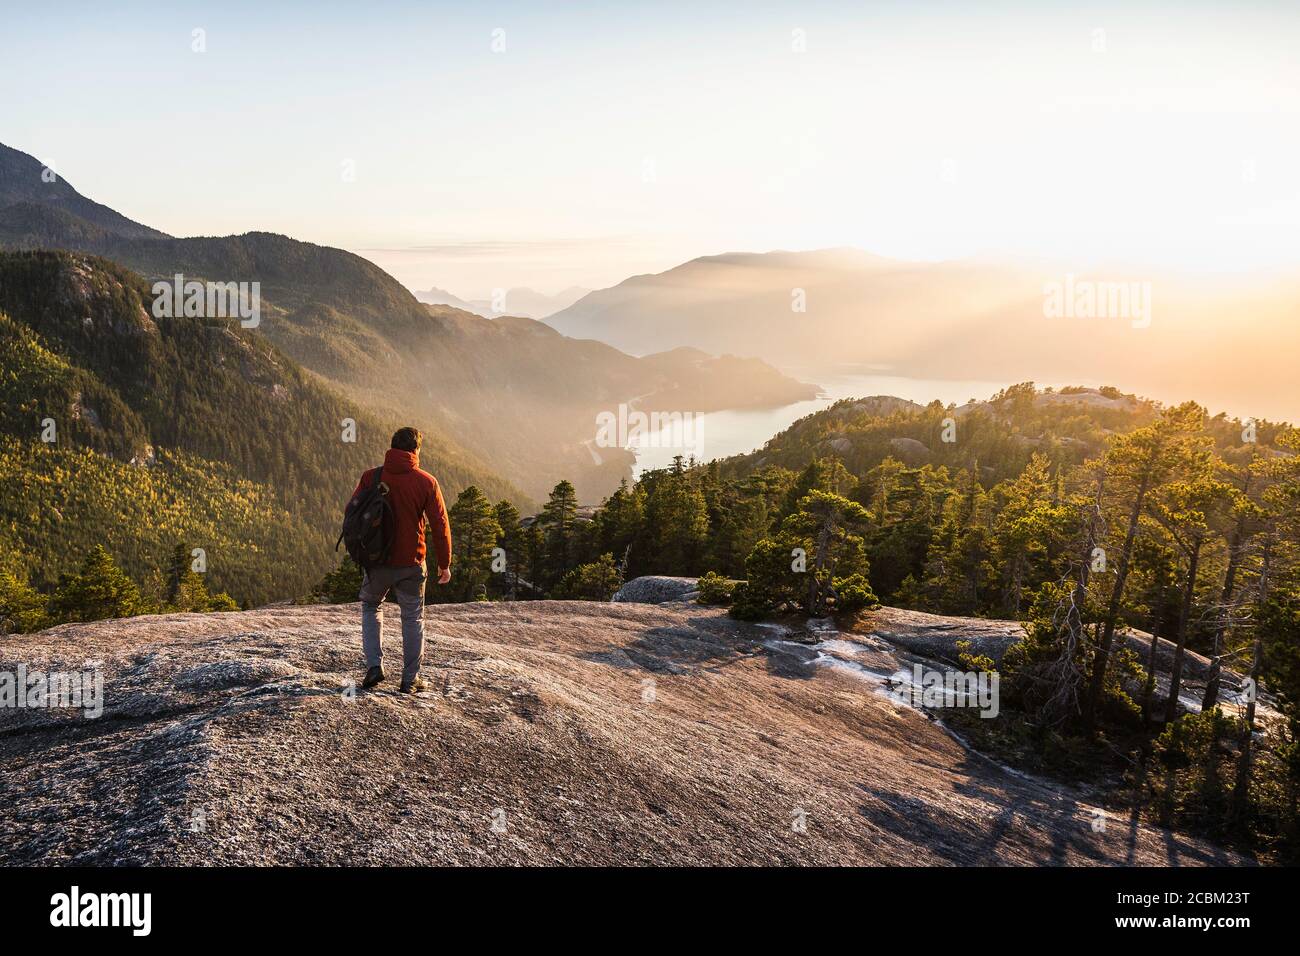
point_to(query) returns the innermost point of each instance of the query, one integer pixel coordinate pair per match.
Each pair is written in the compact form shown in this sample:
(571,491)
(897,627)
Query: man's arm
(439,532)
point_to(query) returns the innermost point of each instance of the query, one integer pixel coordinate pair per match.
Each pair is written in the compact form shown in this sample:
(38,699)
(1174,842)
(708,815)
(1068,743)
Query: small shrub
(748,604)
(596,581)
(341,585)
(715,589)
(854,593)
(1194,765)
(973,662)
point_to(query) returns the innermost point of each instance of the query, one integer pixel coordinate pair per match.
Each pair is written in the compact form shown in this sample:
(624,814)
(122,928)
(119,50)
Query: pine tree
(1155,563)
(1184,509)
(906,505)
(511,541)
(1246,516)
(186,588)
(829,521)
(474,533)
(821,474)
(558,523)
(619,522)
(774,577)
(1136,464)
(22,607)
(178,566)
(959,571)
(97,591)
(342,585)
(1023,542)
(744,520)
(677,525)
(1046,670)
(1276,598)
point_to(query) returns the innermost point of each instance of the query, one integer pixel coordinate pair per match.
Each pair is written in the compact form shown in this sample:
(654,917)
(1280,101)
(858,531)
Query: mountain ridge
(517,300)
(24,178)
(941,320)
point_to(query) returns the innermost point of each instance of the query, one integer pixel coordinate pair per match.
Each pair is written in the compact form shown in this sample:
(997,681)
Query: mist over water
(735,432)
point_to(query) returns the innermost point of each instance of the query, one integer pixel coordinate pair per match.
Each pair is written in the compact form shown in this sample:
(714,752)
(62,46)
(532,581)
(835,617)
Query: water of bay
(737,431)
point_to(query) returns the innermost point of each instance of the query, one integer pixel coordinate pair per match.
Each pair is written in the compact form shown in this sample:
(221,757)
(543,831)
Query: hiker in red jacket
(417,503)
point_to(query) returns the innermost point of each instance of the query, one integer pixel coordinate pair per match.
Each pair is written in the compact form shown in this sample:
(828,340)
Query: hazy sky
(608,139)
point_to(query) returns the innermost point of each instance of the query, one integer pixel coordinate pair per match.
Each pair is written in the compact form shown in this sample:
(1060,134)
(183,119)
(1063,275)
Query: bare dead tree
(1065,676)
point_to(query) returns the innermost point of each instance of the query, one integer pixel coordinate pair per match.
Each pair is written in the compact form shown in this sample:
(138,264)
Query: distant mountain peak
(517,301)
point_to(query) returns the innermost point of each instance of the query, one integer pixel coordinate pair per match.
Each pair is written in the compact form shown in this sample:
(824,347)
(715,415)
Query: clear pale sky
(608,139)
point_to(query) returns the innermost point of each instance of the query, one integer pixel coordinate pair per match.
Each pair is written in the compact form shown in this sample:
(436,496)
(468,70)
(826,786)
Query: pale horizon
(577,147)
(408,265)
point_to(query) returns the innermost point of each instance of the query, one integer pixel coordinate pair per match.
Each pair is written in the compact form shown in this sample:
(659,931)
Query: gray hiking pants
(407,585)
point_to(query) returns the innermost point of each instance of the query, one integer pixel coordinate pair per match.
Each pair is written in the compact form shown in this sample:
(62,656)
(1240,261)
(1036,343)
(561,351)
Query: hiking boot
(373,677)
(413,687)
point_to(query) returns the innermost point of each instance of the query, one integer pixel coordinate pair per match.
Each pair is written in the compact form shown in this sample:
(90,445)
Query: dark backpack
(367,524)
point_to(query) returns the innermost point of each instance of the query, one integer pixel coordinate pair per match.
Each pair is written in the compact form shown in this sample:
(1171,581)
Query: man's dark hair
(407,439)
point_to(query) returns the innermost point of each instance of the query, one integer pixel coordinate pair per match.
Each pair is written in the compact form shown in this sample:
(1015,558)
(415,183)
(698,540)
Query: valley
(509,389)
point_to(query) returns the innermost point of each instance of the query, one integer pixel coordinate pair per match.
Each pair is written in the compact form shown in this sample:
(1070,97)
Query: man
(417,503)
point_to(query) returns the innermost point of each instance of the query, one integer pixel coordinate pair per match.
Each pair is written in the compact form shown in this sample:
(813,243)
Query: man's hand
(444,575)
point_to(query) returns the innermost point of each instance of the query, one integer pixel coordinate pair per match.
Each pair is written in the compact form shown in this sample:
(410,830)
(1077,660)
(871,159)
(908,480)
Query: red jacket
(415,497)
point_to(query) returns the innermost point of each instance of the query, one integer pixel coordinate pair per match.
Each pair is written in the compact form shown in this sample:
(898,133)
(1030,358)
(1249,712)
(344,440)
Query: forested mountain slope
(24,180)
(958,496)
(999,435)
(168,431)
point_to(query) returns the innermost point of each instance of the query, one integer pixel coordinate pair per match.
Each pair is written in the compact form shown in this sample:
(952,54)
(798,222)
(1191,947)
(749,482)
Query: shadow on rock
(704,646)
